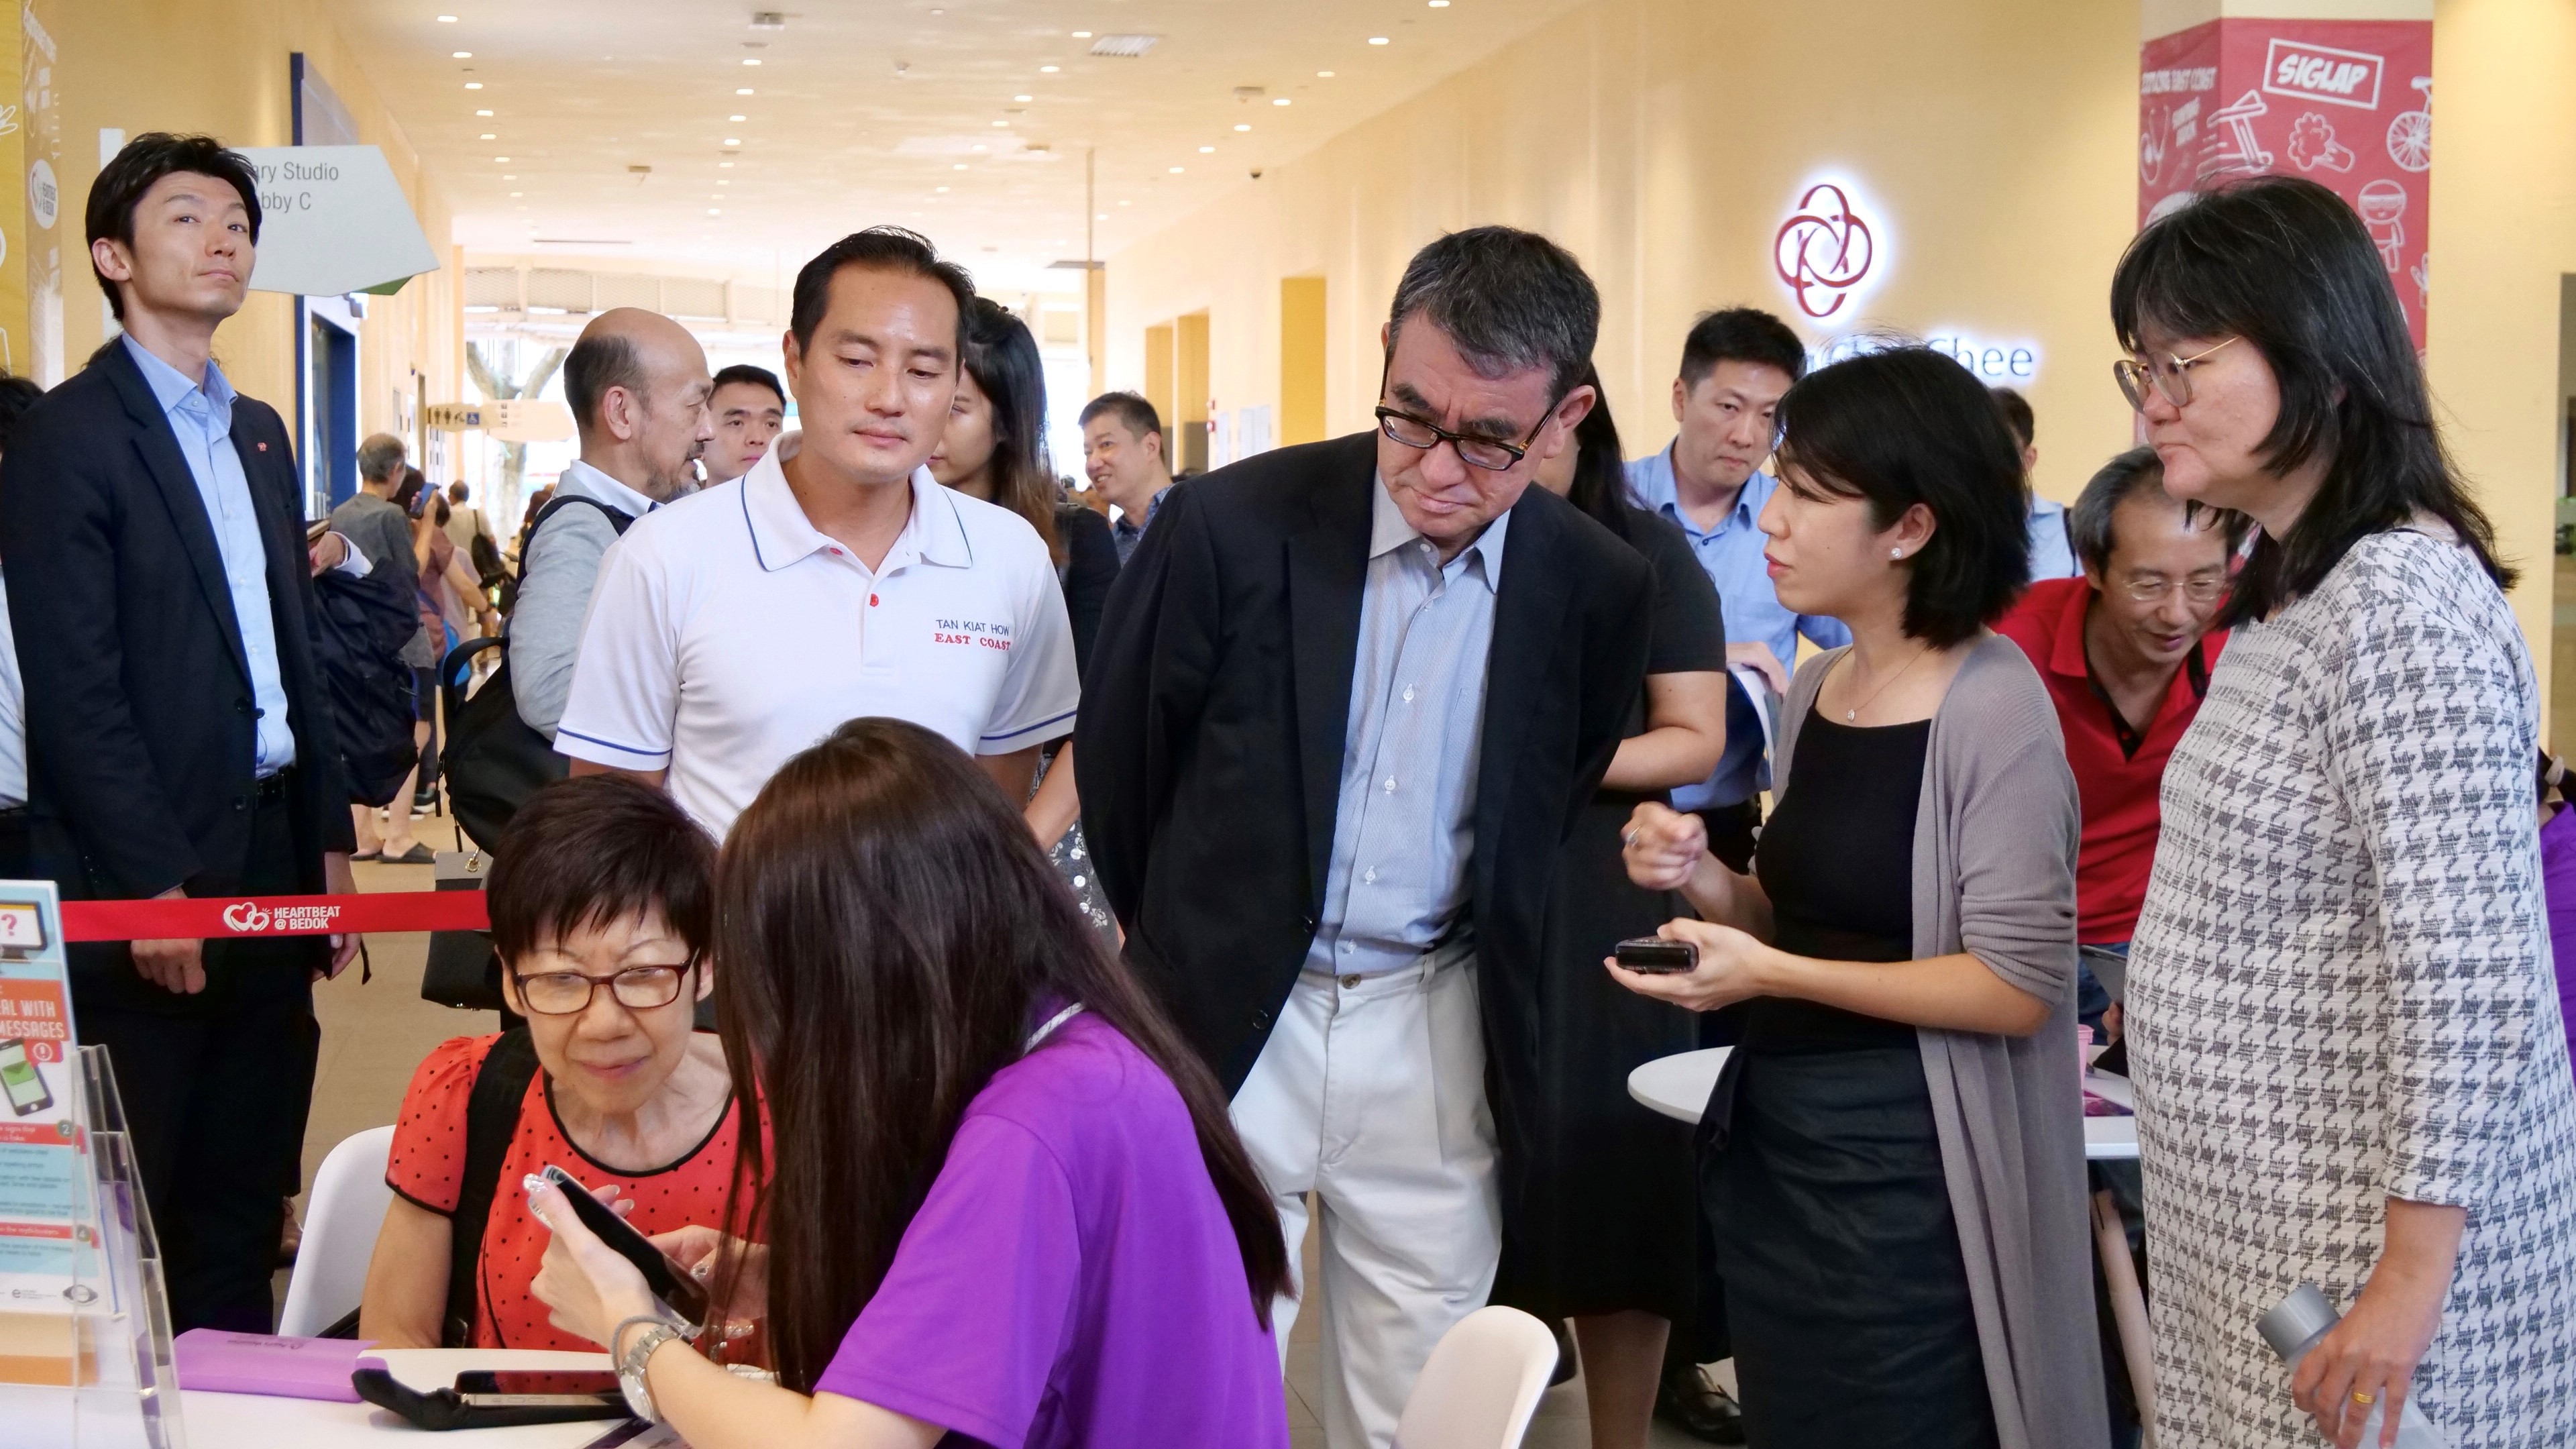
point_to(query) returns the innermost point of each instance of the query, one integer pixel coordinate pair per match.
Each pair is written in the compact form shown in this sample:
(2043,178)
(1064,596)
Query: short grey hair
(1508,299)
(2135,473)
(380,458)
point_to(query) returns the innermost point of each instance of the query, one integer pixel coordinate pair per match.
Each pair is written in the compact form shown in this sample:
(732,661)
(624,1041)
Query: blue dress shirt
(1732,555)
(1127,532)
(202,418)
(1404,828)
(2051,556)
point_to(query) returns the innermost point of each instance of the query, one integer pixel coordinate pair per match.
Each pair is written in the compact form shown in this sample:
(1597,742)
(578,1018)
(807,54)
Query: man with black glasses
(1345,703)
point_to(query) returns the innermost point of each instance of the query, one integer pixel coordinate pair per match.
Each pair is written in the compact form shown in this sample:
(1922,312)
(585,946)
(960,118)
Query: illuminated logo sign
(1993,362)
(1826,251)
(2323,73)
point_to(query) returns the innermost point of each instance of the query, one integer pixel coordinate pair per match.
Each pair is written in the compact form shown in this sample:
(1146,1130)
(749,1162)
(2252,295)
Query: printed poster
(43,1169)
(2348,103)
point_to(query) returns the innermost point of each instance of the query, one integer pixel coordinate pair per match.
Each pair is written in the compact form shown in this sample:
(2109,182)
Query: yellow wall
(1663,141)
(220,66)
(2504,233)
(1301,360)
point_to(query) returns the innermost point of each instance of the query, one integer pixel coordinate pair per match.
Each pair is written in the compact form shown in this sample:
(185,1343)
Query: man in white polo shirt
(735,627)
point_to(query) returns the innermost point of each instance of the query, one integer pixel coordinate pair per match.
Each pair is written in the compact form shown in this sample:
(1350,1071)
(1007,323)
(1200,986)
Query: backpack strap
(618,519)
(491,1120)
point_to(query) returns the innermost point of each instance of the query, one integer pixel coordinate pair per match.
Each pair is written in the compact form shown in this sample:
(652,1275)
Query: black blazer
(1209,748)
(140,735)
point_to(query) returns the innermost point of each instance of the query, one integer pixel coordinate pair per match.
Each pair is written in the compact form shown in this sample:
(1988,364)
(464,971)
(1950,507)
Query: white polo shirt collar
(781,534)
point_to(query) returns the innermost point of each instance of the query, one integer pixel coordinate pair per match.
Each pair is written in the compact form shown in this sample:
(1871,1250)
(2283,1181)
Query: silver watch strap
(630,1366)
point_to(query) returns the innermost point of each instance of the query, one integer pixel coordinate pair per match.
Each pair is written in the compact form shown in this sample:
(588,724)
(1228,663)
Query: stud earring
(1896,553)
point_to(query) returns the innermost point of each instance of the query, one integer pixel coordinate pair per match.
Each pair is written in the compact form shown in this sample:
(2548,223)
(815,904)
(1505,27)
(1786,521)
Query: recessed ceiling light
(460,55)
(733,140)
(447,20)
(1001,123)
(715,211)
(482,113)
(1082,35)
(1207,150)
(1126,203)
(1104,216)
(737,118)
(755,60)
(724,163)
(1176,171)
(474,85)
(1049,69)
(1323,75)
(1373,40)
(506,176)
(500,160)
(724,181)
(978,146)
(1024,100)
(746,90)
(518,193)
(939,188)
(487,136)
(1278,100)
(960,166)
(1439,4)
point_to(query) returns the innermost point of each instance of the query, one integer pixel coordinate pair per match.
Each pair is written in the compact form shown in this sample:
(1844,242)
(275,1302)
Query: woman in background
(1599,1218)
(2341,1022)
(1005,1203)
(1892,1162)
(993,449)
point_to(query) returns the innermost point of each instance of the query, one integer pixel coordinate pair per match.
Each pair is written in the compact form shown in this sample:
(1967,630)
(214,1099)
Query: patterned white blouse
(2341,992)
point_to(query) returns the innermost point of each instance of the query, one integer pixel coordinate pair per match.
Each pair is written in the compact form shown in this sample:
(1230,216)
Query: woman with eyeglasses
(2342,1022)
(601,901)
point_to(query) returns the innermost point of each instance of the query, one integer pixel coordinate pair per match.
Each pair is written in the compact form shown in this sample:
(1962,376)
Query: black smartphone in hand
(1655,956)
(678,1291)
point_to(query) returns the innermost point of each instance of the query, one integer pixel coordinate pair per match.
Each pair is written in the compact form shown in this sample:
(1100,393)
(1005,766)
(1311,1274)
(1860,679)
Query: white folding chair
(342,1216)
(1481,1385)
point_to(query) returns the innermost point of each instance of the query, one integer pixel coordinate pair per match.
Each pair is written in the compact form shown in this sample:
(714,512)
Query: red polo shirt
(2121,815)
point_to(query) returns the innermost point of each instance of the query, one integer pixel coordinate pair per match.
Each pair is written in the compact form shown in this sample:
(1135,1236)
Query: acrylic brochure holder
(85,1358)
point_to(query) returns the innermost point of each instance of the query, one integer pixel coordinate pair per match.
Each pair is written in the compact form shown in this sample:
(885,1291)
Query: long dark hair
(2283,263)
(890,934)
(1003,359)
(1600,485)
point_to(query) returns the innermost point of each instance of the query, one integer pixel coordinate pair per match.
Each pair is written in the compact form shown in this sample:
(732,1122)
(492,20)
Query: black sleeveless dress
(1819,1168)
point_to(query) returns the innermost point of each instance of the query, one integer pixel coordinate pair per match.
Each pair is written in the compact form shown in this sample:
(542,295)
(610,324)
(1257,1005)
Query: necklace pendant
(1850,715)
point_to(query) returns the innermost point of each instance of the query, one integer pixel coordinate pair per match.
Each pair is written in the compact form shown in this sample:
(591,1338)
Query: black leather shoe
(1689,1402)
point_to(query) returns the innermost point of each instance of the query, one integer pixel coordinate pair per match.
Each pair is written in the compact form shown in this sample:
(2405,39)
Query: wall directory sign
(2347,103)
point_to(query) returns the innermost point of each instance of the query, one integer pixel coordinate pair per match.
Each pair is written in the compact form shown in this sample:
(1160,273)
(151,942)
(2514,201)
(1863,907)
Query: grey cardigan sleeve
(2013,821)
(554,599)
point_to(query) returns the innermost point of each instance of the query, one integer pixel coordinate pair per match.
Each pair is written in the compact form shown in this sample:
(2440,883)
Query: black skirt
(1598,1210)
(1845,1289)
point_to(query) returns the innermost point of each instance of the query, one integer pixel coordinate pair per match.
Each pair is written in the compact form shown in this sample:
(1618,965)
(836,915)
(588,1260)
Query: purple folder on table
(264,1363)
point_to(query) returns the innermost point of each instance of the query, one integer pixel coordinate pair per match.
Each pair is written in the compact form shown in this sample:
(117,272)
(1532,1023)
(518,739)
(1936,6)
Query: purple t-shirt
(2558,888)
(1071,1279)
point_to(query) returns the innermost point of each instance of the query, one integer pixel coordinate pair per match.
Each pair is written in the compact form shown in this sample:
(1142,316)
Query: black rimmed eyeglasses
(569,993)
(1493,454)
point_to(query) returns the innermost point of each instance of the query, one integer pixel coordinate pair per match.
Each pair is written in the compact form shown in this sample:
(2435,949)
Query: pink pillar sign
(2348,103)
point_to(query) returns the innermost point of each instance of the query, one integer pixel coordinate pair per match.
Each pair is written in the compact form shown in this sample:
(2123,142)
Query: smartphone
(532,1388)
(1655,956)
(678,1291)
(468,1408)
(25,1084)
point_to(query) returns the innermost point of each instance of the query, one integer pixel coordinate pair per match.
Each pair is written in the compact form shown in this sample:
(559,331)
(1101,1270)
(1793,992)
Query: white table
(255,1421)
(1678,1086)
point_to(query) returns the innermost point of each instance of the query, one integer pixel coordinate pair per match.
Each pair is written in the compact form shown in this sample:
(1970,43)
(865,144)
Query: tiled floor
(375,1033)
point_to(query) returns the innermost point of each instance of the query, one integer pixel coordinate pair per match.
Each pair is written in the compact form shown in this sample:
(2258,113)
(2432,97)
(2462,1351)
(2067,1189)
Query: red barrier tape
(221,918)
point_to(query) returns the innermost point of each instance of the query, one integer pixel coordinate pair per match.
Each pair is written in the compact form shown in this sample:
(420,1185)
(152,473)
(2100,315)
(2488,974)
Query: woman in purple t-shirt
(1004,1200)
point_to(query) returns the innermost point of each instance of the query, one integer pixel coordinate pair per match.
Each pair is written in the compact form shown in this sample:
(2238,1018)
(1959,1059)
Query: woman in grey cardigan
(1893,1161)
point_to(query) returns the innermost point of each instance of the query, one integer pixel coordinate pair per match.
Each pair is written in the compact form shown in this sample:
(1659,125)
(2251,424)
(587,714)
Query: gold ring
(2359,1397)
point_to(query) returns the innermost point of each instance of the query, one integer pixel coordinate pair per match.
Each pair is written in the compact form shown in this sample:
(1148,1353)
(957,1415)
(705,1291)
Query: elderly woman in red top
(600,900)
(2125,651)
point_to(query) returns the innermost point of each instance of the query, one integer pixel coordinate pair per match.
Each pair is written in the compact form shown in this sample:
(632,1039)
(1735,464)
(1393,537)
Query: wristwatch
(630,1365)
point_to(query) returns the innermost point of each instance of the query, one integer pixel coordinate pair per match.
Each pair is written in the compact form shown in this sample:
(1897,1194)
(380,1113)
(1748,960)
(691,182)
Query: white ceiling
(869,111)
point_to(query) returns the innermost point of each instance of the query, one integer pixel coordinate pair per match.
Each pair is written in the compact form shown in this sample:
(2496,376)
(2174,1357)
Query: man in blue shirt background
(1736,364)
(2052,554)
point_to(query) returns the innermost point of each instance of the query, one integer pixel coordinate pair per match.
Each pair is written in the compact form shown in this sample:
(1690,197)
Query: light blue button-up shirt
(202,417)
(1732,555)
(2052,555)
(1404,830)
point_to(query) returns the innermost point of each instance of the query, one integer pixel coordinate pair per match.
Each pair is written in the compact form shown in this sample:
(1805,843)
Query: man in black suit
(1344,706)
(179,737)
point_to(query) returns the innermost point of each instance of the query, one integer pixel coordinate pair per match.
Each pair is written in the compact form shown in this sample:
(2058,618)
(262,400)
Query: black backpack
(362,626)
(493,760)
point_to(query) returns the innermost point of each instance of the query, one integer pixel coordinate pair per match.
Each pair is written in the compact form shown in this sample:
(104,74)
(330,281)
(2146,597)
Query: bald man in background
(638,387)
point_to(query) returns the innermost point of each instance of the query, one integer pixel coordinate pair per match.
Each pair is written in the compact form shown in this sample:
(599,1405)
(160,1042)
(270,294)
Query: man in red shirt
(2126,655)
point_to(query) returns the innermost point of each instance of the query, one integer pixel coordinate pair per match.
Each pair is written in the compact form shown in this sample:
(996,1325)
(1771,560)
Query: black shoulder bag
(491,1120)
